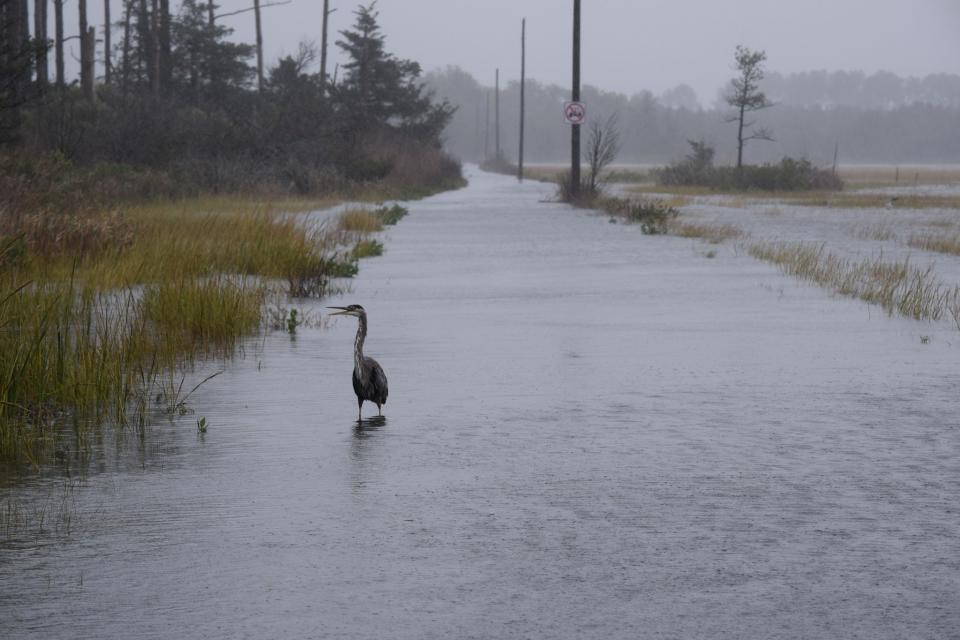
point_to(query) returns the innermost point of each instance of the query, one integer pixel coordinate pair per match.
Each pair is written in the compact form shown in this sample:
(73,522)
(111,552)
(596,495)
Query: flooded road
(591,433)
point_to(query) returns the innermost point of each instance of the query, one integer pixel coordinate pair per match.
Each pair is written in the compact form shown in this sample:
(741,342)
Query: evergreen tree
(379,89)
(204,61)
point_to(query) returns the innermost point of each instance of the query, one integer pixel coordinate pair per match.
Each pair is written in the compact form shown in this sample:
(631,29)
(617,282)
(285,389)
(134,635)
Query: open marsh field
(591,432)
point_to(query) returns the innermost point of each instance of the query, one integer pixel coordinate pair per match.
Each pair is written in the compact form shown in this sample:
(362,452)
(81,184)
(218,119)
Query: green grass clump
(391,215)
(653,215)
(359,221)
(367,248)
(203,315)
(712,233)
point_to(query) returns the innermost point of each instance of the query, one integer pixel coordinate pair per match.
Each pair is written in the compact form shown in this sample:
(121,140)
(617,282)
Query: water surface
(590,433)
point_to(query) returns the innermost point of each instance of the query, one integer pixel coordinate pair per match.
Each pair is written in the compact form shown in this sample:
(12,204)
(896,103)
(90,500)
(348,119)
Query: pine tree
(381,90)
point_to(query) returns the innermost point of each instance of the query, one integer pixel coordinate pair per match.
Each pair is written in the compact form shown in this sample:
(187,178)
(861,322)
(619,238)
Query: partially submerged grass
(898,287)
(883,231)
(89,326)
(939,243)
(823,199)
(367,248)
(710,232)
(359,221)
(391,215)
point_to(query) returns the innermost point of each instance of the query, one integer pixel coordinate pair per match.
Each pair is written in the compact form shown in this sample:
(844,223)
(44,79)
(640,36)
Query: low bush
(653,216)
(790,174)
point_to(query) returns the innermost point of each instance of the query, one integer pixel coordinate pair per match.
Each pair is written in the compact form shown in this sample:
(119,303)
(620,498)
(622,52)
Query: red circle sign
(574,112)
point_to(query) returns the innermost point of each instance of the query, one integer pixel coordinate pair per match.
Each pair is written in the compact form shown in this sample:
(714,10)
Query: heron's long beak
(342,311)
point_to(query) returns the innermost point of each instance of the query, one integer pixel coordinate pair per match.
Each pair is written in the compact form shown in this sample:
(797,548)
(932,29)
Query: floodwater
(591,433)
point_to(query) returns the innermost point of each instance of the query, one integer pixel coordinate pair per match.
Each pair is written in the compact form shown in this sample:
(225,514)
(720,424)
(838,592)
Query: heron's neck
(358,343)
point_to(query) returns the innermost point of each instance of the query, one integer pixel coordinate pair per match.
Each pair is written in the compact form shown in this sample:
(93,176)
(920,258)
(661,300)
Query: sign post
(575,100)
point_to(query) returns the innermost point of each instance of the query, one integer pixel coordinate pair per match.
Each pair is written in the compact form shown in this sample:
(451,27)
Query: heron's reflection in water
(365,449)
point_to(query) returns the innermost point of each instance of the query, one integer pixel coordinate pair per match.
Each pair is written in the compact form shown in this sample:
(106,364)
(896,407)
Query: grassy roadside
(98,305)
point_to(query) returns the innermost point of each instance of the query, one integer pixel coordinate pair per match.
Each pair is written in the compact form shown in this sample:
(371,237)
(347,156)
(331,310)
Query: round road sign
(574,112)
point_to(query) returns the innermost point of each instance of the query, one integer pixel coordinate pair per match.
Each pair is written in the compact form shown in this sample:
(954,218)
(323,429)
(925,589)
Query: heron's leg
(359,409)
(379,413)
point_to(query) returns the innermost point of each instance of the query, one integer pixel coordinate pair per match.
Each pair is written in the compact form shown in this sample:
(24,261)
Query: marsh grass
(823,199)
(88,333)
(898,287)
(709,232)
(367,248)
(881,232)
(359,221)
(939,243)
(391,215)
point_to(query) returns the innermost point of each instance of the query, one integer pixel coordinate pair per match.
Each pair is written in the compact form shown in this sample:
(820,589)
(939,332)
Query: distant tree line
(880,90)
(177,95)
(656,129)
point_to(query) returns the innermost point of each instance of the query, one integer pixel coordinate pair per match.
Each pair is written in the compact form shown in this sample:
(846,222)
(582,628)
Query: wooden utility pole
(575,128)
(256,12)
(496,114)
(523,78)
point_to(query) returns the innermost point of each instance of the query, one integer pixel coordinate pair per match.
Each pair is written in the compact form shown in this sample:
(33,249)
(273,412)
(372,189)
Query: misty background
(875,78)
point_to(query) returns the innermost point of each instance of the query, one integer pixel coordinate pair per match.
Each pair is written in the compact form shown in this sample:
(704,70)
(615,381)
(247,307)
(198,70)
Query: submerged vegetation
(87,333)
(898,287)
(149,220)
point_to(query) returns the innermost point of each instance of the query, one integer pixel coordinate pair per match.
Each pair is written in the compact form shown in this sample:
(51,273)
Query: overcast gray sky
(629,45)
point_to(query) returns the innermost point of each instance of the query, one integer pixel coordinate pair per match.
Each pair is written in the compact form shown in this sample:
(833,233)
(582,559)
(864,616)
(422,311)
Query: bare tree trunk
(153,57)
(143,43)
(211,18)
(125,63)
(740,139)
(323,48)
(86,83)
(58,43)
(107,29)
(24,21)
(88,45)
(165,62)
(256,12)
(11,27)
(40,33)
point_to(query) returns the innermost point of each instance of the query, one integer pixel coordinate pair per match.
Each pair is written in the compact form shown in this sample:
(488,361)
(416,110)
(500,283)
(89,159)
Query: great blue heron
(369,380)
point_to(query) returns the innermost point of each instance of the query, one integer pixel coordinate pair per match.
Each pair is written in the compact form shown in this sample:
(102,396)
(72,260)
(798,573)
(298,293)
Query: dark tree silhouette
(744,96)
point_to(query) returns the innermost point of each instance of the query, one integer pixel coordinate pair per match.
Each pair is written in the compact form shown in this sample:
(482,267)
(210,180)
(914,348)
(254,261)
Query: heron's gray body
(370,383)
(369,380)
